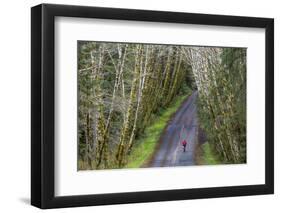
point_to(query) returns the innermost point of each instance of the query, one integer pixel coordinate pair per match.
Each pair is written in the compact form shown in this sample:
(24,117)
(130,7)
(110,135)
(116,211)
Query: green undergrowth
(208,156)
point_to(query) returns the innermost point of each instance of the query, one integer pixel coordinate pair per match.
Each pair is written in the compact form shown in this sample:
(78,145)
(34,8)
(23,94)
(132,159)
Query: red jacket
(184,142)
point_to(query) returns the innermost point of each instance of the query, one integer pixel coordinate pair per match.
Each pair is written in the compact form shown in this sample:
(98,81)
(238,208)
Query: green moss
(146,145)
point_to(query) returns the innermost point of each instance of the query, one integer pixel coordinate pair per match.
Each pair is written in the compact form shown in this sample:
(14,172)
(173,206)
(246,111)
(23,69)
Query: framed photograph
(139,106)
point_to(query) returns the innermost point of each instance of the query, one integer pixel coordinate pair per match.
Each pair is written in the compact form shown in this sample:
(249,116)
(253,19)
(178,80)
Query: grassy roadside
(145,146)
(207,156)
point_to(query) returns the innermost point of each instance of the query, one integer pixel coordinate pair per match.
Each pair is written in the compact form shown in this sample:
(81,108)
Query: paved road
(182,126)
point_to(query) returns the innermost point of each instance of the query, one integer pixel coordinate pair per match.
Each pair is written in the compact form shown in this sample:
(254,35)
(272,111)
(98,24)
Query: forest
(126,88)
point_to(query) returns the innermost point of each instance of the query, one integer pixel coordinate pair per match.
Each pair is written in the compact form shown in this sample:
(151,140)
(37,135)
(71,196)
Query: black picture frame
(43,105)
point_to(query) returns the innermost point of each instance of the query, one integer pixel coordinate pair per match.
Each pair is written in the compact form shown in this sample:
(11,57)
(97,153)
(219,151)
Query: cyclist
(184,143)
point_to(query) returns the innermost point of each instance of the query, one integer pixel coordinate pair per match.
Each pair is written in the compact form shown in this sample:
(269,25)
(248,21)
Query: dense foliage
(121,88)
(220,75)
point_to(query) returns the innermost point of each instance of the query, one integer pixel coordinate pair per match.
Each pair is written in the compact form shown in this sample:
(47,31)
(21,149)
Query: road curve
(182,126)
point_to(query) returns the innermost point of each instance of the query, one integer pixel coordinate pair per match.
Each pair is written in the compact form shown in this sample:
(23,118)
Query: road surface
(182,126)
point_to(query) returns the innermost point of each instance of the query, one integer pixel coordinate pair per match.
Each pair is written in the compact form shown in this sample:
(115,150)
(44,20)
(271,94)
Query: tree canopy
(123,86)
